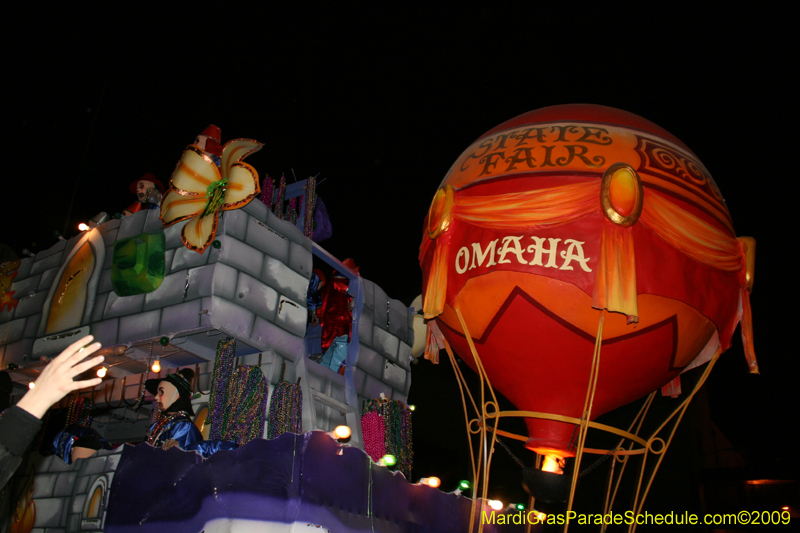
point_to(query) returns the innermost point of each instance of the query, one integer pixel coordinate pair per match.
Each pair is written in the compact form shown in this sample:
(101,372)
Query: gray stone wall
(386,334)
(252,287)
(62,493)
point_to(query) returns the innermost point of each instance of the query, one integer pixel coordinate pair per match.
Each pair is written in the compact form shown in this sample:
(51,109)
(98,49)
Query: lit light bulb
(31,385)
(464,484)
(497,505)
(412,407)
(389,459)
(433,482)
(342,432)
(102,371)
(156,365)
(83,226)
(520,506)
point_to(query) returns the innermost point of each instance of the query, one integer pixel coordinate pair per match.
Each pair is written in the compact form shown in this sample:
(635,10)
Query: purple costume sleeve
(190,439)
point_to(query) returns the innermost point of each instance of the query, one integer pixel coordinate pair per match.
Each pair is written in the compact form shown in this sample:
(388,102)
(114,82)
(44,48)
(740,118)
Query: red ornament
(213,135)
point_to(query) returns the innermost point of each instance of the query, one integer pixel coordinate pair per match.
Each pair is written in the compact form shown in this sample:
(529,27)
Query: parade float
(576,257)
(216,280)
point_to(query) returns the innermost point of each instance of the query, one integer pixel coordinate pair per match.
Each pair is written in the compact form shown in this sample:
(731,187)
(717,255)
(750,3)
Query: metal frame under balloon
(489,416)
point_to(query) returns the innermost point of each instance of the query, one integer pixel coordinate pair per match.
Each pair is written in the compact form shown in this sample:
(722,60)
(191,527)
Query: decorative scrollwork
(664,161)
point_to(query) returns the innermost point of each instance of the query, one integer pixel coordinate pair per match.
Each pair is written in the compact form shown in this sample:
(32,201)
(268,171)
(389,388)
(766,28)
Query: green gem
(138,264)
(216,244)
(215,193)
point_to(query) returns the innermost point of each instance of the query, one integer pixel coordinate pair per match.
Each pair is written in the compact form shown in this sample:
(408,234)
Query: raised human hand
(56,381)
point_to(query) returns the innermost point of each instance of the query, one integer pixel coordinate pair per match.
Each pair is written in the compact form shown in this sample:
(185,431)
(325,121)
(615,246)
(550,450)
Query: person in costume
(175,427)
(78,442)
(314,303)
(209,142)
(149,191)
(314,295)
(336,315)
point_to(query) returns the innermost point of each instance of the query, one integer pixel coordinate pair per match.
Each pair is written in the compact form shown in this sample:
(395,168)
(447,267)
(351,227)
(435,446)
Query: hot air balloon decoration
(576,230)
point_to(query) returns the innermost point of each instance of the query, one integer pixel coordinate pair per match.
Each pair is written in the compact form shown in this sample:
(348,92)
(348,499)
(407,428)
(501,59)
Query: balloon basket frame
(652,448)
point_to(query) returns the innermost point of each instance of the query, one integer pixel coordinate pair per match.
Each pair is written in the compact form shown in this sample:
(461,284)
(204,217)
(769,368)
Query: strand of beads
(310,202)
(267,189)
(220,379)
(71,411)
(285,410)
(374,432)
(278,208)
(79,412)
(155,412)
(398,438)
(247,401)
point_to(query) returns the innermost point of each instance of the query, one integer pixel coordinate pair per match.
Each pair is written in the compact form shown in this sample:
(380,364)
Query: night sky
(379,102)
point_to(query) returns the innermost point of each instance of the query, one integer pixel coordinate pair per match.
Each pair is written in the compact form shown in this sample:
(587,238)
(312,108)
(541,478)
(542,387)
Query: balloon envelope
(557,214)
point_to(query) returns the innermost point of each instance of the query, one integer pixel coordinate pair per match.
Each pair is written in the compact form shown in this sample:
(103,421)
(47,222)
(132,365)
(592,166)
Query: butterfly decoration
(199,190)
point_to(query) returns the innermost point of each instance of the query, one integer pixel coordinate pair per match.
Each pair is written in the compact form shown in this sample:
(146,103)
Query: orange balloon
(568,210)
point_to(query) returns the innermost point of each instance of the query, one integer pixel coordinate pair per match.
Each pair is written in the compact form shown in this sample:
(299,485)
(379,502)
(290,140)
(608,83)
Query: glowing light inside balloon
(497,505)
(342,432)
(102,371)
(552,463)
(156,367)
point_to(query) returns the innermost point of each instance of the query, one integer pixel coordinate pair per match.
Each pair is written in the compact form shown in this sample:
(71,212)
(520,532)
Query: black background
(379,102)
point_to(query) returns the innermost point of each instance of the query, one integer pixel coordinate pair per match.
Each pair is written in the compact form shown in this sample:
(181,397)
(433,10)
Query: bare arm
(56,381)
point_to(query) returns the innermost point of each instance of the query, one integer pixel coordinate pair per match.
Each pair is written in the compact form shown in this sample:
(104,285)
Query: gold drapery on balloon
(543,208)
(615,276)
(691,235)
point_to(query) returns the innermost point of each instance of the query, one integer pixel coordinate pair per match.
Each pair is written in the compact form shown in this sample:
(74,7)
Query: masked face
(143,189)
(166,395)
(200,141)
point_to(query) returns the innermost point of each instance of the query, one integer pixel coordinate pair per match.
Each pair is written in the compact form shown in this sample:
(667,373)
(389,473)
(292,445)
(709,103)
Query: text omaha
(544,252)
